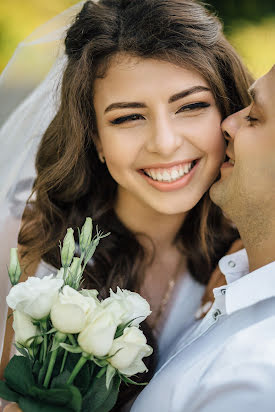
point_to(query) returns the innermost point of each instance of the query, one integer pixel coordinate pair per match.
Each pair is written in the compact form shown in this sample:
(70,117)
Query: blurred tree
(248,24)
(250,10)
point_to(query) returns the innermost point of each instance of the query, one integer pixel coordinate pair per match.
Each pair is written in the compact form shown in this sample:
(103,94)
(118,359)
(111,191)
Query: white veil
(25,113)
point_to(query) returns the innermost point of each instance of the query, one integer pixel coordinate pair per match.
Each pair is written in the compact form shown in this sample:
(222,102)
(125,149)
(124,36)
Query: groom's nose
(231,124)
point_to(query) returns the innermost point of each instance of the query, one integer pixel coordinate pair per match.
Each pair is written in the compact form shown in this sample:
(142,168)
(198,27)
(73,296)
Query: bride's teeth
(166,176)
(159,176)
(169,175)
(175,174)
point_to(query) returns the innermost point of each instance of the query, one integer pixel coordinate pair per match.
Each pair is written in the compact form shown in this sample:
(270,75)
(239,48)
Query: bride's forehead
(127,73)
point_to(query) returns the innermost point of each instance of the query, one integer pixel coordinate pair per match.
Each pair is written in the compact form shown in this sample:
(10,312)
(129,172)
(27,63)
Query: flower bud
(75,268)
(67,252)
(86,234)
(14,268)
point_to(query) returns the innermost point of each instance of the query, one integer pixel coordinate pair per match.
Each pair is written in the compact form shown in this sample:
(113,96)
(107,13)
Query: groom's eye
(251,120)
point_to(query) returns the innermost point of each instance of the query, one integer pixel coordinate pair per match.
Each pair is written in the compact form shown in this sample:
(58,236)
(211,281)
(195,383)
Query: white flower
(23,328)
(127,305)
(98,336)
(35,297)
(72,311)
(129,350)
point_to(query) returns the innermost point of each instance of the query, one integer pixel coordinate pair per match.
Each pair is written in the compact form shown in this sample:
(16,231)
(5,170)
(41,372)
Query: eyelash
(133,117)
(251,119)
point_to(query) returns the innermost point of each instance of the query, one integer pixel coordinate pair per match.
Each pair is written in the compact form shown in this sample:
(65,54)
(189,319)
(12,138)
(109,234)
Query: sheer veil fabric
(29,100)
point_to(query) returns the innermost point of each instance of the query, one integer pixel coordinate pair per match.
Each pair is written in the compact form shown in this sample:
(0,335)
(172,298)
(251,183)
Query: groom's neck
(258,236)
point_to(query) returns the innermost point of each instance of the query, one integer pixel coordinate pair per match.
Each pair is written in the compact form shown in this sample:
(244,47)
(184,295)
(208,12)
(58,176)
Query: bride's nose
(163,138)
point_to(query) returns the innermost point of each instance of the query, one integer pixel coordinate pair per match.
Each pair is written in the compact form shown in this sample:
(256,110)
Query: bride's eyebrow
(187,92)
(124,105)
(172,99)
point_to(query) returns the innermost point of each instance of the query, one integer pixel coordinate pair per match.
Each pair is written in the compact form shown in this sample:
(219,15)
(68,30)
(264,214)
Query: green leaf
(60,379)
(63,395)
(101,372)
(128,380)
(36,368)
(22,350)
(34,405)
(122,326)
(70,348)
(109,375)
(57,396)
(98,398)
(18,374)
(7,394)
(112,398)
(76,401)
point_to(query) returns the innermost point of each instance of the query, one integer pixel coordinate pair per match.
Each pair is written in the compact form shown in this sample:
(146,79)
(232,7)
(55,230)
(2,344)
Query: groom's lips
(229,162)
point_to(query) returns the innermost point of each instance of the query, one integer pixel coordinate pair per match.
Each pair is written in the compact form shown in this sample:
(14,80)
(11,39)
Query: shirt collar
(234,266)
(244,289)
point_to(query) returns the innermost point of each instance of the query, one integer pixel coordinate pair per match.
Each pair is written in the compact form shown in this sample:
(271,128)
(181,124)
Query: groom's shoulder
(255,343)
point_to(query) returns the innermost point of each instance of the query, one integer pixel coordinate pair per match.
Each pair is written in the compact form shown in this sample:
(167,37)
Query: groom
(227,362)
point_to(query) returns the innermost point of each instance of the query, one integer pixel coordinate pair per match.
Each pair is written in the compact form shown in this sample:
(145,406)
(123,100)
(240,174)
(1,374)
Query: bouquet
(74,349)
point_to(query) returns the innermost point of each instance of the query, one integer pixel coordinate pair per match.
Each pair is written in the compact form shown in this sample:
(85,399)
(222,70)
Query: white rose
(129,350)
(23,328)
(72,311)
(127,305)
(98,336)
(35,297)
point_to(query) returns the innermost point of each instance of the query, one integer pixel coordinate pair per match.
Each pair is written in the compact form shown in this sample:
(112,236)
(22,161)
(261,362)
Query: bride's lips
(171,186)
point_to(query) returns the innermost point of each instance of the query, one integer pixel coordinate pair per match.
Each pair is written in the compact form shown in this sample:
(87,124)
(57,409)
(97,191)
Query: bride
(135,144)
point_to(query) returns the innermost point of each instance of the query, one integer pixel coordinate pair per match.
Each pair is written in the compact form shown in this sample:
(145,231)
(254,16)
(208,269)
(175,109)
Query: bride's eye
(193,106)
(129,118)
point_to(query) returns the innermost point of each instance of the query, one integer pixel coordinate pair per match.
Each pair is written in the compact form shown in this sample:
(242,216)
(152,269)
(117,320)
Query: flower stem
(44,347)
(71,339)
(50,368)
(76,369)
(59,337)
(63,361)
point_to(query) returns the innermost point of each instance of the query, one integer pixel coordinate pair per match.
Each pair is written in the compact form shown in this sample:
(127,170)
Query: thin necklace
(165,299)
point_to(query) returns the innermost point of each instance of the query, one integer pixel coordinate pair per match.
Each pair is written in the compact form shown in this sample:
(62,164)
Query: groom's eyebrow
(253,93)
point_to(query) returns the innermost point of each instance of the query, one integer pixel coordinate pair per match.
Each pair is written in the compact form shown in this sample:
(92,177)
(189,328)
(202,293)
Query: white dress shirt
(226,362)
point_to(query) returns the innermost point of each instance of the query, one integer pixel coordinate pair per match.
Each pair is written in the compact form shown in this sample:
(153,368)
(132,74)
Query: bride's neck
(148,223)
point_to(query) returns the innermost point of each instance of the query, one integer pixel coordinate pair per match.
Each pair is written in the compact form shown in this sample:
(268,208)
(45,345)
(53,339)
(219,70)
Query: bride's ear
(99,149)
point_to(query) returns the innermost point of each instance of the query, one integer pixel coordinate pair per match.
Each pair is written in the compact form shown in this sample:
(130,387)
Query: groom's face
(248,179)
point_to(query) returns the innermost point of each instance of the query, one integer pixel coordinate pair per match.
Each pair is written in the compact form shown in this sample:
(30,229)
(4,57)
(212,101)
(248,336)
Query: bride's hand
(12,407)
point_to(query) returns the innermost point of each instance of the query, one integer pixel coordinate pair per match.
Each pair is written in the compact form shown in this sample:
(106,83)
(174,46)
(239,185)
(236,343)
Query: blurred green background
(249,25)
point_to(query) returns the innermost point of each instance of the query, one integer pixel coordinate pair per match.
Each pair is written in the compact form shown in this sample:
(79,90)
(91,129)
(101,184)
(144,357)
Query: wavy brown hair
(72,183)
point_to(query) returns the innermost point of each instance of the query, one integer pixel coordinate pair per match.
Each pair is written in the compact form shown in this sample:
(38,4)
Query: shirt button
(216,314)
(223,291)
(231,263)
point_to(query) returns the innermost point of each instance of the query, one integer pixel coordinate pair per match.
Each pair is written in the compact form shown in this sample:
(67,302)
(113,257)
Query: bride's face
(159,131)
